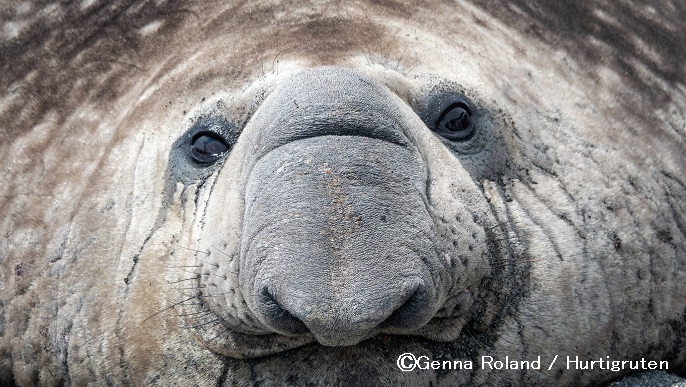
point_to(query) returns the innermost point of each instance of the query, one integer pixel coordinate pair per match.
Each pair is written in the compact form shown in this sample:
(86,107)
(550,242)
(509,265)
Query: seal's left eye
(208,147)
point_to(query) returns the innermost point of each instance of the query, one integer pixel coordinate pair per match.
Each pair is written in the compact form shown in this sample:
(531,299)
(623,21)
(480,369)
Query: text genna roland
(571,362)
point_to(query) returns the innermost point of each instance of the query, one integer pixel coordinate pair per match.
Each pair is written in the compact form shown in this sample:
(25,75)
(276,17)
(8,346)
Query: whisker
(194,250)
(193,287)
(202,313)
(410,70)
(190,272)
(165,309)
(221,333)
(186,279)
(401,57)
(213,322)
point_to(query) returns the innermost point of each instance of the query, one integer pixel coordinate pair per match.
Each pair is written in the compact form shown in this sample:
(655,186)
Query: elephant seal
(369,193)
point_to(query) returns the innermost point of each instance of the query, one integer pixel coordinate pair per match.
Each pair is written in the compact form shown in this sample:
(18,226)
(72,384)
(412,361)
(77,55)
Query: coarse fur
(340,230)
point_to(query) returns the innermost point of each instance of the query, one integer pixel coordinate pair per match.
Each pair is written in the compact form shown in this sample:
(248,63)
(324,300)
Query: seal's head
(274,193)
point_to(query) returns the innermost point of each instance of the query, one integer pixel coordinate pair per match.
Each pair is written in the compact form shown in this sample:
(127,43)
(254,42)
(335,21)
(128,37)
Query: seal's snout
(337,239)
(339,244)
(343,319)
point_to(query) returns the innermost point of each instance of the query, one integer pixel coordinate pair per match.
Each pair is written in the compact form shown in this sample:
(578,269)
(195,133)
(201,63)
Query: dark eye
(207,147)
(455,123)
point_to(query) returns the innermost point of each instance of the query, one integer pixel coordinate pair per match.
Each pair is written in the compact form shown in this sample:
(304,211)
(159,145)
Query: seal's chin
(238,346)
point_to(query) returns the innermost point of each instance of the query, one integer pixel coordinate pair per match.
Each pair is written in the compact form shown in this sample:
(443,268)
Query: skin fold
(338,226)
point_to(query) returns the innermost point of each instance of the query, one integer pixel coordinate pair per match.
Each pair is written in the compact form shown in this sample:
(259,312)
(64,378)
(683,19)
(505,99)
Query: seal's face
(274,193)
(344,211)
(349,216)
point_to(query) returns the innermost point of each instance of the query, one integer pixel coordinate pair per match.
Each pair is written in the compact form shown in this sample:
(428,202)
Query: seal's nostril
(278,317)
(411,312)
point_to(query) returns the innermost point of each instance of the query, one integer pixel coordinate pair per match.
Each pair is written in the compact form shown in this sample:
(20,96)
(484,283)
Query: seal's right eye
(455,123)
(208,147)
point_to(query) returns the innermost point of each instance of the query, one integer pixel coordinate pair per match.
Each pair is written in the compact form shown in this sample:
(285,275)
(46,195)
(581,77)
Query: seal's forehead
(56,58)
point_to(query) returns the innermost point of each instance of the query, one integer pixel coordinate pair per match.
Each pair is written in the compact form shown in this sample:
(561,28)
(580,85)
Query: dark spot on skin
(616,240)
(19,269)
(632,181)
(664,236)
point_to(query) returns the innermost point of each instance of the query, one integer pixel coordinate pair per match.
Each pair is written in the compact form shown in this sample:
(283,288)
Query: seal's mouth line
(314,344)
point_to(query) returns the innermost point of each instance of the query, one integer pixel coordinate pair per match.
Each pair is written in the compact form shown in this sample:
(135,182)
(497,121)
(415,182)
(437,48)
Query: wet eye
(208,147)
(455,123)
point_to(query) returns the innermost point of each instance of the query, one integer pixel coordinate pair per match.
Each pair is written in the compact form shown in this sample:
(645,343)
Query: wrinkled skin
(340,230)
